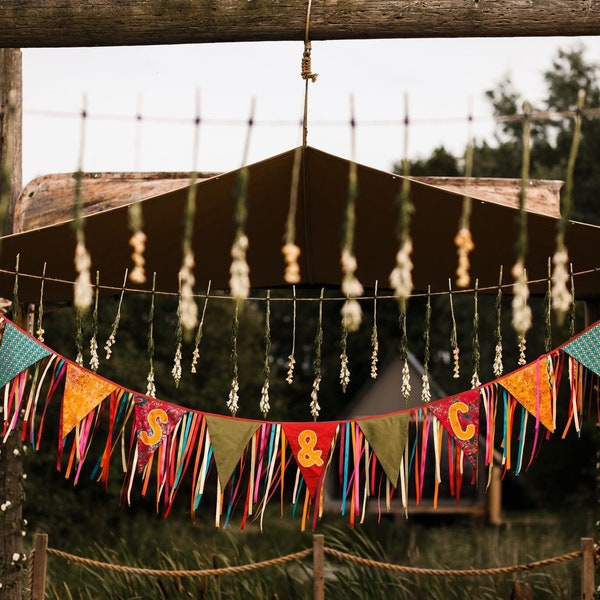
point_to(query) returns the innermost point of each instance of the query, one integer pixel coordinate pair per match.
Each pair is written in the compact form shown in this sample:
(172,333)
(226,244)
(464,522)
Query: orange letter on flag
(155,417)
(462,433)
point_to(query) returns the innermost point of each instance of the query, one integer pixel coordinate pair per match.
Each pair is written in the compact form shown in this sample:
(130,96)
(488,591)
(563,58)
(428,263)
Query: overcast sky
(440,77)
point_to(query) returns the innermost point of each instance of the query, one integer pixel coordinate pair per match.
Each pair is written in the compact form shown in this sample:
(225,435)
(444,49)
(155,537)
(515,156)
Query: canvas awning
(322,196)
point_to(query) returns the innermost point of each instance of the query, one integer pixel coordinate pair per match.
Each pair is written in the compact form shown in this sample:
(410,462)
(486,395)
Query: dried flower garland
(374,338)
(291,358)
(401,276)
(290,250)
(94,360)
(265,404)
(475,352)
(112,338)
(498,367)
(233,399)
(426,388)
(315,407)
(454,337)
(561,298)
(406,387)
(40,320)
(176,370)
(151,387)
(344,363)
(198,338)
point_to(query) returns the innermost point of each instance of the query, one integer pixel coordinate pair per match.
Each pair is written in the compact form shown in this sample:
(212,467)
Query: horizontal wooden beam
(72,23)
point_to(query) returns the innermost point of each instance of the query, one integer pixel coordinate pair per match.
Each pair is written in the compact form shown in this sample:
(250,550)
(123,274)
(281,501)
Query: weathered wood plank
(72,23)
(49,199)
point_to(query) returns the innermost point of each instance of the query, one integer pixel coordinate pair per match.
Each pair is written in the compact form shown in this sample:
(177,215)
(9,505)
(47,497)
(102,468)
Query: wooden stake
(587,568)
(38,579)
(318,567)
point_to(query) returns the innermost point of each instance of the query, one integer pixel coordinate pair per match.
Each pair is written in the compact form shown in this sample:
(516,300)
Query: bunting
(460,417)
(251,457)
(84,391)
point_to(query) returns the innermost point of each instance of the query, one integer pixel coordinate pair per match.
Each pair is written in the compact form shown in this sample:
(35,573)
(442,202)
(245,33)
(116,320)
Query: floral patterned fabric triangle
(17,352)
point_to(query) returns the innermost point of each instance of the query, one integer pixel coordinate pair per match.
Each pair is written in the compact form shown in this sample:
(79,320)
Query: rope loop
(306,71)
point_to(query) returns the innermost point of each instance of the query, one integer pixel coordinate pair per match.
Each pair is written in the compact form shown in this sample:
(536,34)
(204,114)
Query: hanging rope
(306,73)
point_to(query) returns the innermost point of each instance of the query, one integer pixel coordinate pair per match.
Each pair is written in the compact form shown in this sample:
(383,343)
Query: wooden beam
(72,23)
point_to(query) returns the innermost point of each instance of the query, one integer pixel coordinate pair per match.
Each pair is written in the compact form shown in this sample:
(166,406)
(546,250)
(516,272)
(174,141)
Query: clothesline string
(212,296)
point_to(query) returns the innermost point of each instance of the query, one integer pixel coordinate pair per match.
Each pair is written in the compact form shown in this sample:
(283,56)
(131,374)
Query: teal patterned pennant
(585,348)
(17,352)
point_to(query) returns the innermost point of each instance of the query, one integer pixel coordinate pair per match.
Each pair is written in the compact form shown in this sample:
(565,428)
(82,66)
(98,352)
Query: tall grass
(412,543)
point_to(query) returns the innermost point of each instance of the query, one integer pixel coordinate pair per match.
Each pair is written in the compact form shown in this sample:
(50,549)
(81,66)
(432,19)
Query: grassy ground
(173,544)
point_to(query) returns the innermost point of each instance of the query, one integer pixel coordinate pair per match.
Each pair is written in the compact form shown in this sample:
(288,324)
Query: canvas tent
(323,190)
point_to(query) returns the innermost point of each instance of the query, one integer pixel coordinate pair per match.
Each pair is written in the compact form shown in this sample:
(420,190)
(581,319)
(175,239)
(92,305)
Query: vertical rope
(476,353)
(454,337)
(112,338)
(196,353)
(463,240)
(306,73)
(151,388)
(40,329)
(315,408)
(561,297)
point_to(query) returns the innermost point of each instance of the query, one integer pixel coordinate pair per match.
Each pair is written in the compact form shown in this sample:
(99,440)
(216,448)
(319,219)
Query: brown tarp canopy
(323,192)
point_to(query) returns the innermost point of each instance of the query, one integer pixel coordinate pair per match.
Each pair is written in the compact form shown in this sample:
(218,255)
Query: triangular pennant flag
(229,437)
(530,387)
(459,416)
(387,436)
(154,421)
(17,352)
(310,444)
(585,348)
(84,390)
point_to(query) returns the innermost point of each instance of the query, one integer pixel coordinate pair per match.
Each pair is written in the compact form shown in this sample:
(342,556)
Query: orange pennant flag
(84,390)
(531,388)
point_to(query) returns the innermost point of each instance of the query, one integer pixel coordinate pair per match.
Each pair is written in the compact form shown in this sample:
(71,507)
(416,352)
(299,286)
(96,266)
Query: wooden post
(495,498)
(38,568)
(11,465)
(588,568)
(73,23)
(318,567)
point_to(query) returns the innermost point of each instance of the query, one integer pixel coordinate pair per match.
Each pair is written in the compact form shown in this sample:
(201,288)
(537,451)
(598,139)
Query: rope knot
(306,64)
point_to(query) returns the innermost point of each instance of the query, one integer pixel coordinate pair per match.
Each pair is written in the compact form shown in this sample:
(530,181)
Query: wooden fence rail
(38,566)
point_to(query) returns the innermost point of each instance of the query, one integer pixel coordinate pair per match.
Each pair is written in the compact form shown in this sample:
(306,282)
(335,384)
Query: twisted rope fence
(38,558)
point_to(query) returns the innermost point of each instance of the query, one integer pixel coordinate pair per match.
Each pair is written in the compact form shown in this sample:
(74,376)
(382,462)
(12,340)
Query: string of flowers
(401,276)
(176,370)
(351,286)
(548,310)
(291,358)
(198,339)
(83,261)
(135,219)
(498,367)
(572,309)
(406,387)
(344,366)
(290,250)
(374,338)
(561,298)
(15,307)
(79,319)
(189,309)
(40,320)
(239,281)
(112,338)
(94,360)
(315,407)
(521,317)
(476,353)
(265,405)
(426,389)
(454,337)
(233,399)
(463,239)
(151,388)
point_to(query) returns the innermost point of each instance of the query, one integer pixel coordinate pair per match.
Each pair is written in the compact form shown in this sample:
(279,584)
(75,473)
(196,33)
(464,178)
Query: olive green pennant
(229,437)
(387,436)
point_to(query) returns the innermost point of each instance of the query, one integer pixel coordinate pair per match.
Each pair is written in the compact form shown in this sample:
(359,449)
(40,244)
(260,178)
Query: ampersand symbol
(307,455)
(155,417)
